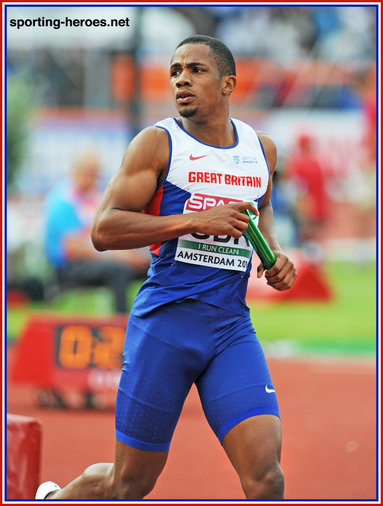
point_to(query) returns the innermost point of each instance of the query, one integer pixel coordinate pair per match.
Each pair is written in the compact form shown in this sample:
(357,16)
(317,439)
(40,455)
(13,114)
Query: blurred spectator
(286,215)
(365,197)
(367,89)
(68,214)
(69,211)
(305,170)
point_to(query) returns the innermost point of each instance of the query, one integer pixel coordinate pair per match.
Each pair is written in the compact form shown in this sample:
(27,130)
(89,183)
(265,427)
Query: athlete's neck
(214,133)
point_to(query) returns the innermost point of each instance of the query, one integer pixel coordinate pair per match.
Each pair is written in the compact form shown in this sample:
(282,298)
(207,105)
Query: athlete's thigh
(132,465)
(161,362)
(237,384)
(254,446)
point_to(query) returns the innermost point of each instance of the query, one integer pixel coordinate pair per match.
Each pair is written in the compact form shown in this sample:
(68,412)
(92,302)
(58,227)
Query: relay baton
(258,241)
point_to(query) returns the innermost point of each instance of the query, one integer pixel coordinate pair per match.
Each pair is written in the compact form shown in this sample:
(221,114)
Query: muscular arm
(282,275)
(119,223)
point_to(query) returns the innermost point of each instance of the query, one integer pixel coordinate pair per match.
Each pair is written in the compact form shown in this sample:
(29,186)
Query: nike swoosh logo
(192,158)
(269,390)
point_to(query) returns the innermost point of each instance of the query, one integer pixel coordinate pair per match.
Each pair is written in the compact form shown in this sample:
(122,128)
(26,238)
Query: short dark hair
(222,54)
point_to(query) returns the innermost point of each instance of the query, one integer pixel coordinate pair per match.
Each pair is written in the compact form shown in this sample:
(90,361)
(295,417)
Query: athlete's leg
(254,448)
(132,476)
(163,355)
(241,406)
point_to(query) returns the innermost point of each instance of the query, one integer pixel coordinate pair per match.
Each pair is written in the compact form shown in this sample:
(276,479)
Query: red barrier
(23,456)
(311,284)
(78,352)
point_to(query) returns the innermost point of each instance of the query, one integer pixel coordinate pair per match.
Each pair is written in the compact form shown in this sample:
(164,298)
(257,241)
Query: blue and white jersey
(213,269)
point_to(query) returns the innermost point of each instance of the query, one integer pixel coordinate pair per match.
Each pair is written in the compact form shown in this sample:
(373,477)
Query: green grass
(346,324)
(85,302)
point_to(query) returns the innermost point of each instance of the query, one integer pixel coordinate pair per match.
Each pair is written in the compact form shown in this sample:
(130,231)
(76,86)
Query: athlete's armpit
(143,164)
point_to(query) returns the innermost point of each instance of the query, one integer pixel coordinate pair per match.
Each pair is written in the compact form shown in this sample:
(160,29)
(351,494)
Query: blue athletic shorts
(179,344)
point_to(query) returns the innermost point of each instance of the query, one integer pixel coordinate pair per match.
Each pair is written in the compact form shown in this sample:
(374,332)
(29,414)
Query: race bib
(223,252)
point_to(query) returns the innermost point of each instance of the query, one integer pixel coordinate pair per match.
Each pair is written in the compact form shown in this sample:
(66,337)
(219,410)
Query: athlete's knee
(134,487)
(106,483)
(99,479)
(136,471)
(268,485)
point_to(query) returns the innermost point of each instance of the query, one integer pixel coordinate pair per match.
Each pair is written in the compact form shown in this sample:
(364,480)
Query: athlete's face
(196,84)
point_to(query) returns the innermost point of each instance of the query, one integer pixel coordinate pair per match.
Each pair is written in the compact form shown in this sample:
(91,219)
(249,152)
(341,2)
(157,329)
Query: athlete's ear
(229,83)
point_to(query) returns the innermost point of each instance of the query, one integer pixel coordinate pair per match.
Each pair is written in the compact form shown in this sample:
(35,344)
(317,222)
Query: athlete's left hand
(281,275)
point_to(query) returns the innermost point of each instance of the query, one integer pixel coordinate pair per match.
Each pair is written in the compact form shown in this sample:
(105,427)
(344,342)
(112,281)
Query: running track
(328,412)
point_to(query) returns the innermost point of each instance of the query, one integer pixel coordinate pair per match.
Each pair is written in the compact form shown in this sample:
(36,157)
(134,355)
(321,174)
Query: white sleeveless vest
(201,176)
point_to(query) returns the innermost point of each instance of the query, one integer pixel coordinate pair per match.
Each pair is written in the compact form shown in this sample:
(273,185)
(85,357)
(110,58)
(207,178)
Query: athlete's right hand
(224,219)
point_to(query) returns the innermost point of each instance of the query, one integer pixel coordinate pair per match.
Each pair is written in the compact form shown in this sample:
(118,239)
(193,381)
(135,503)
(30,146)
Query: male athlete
(181,188)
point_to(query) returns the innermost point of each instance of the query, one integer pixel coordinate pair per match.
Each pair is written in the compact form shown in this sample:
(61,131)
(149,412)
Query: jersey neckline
(211,145)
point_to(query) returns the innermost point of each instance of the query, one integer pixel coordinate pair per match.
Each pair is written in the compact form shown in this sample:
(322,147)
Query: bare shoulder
(143,165)
(152,134)
(148,149)
(269,147)
(266,140)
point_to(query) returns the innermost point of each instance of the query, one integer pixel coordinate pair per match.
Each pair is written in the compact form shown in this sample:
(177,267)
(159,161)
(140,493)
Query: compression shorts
(179,344)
